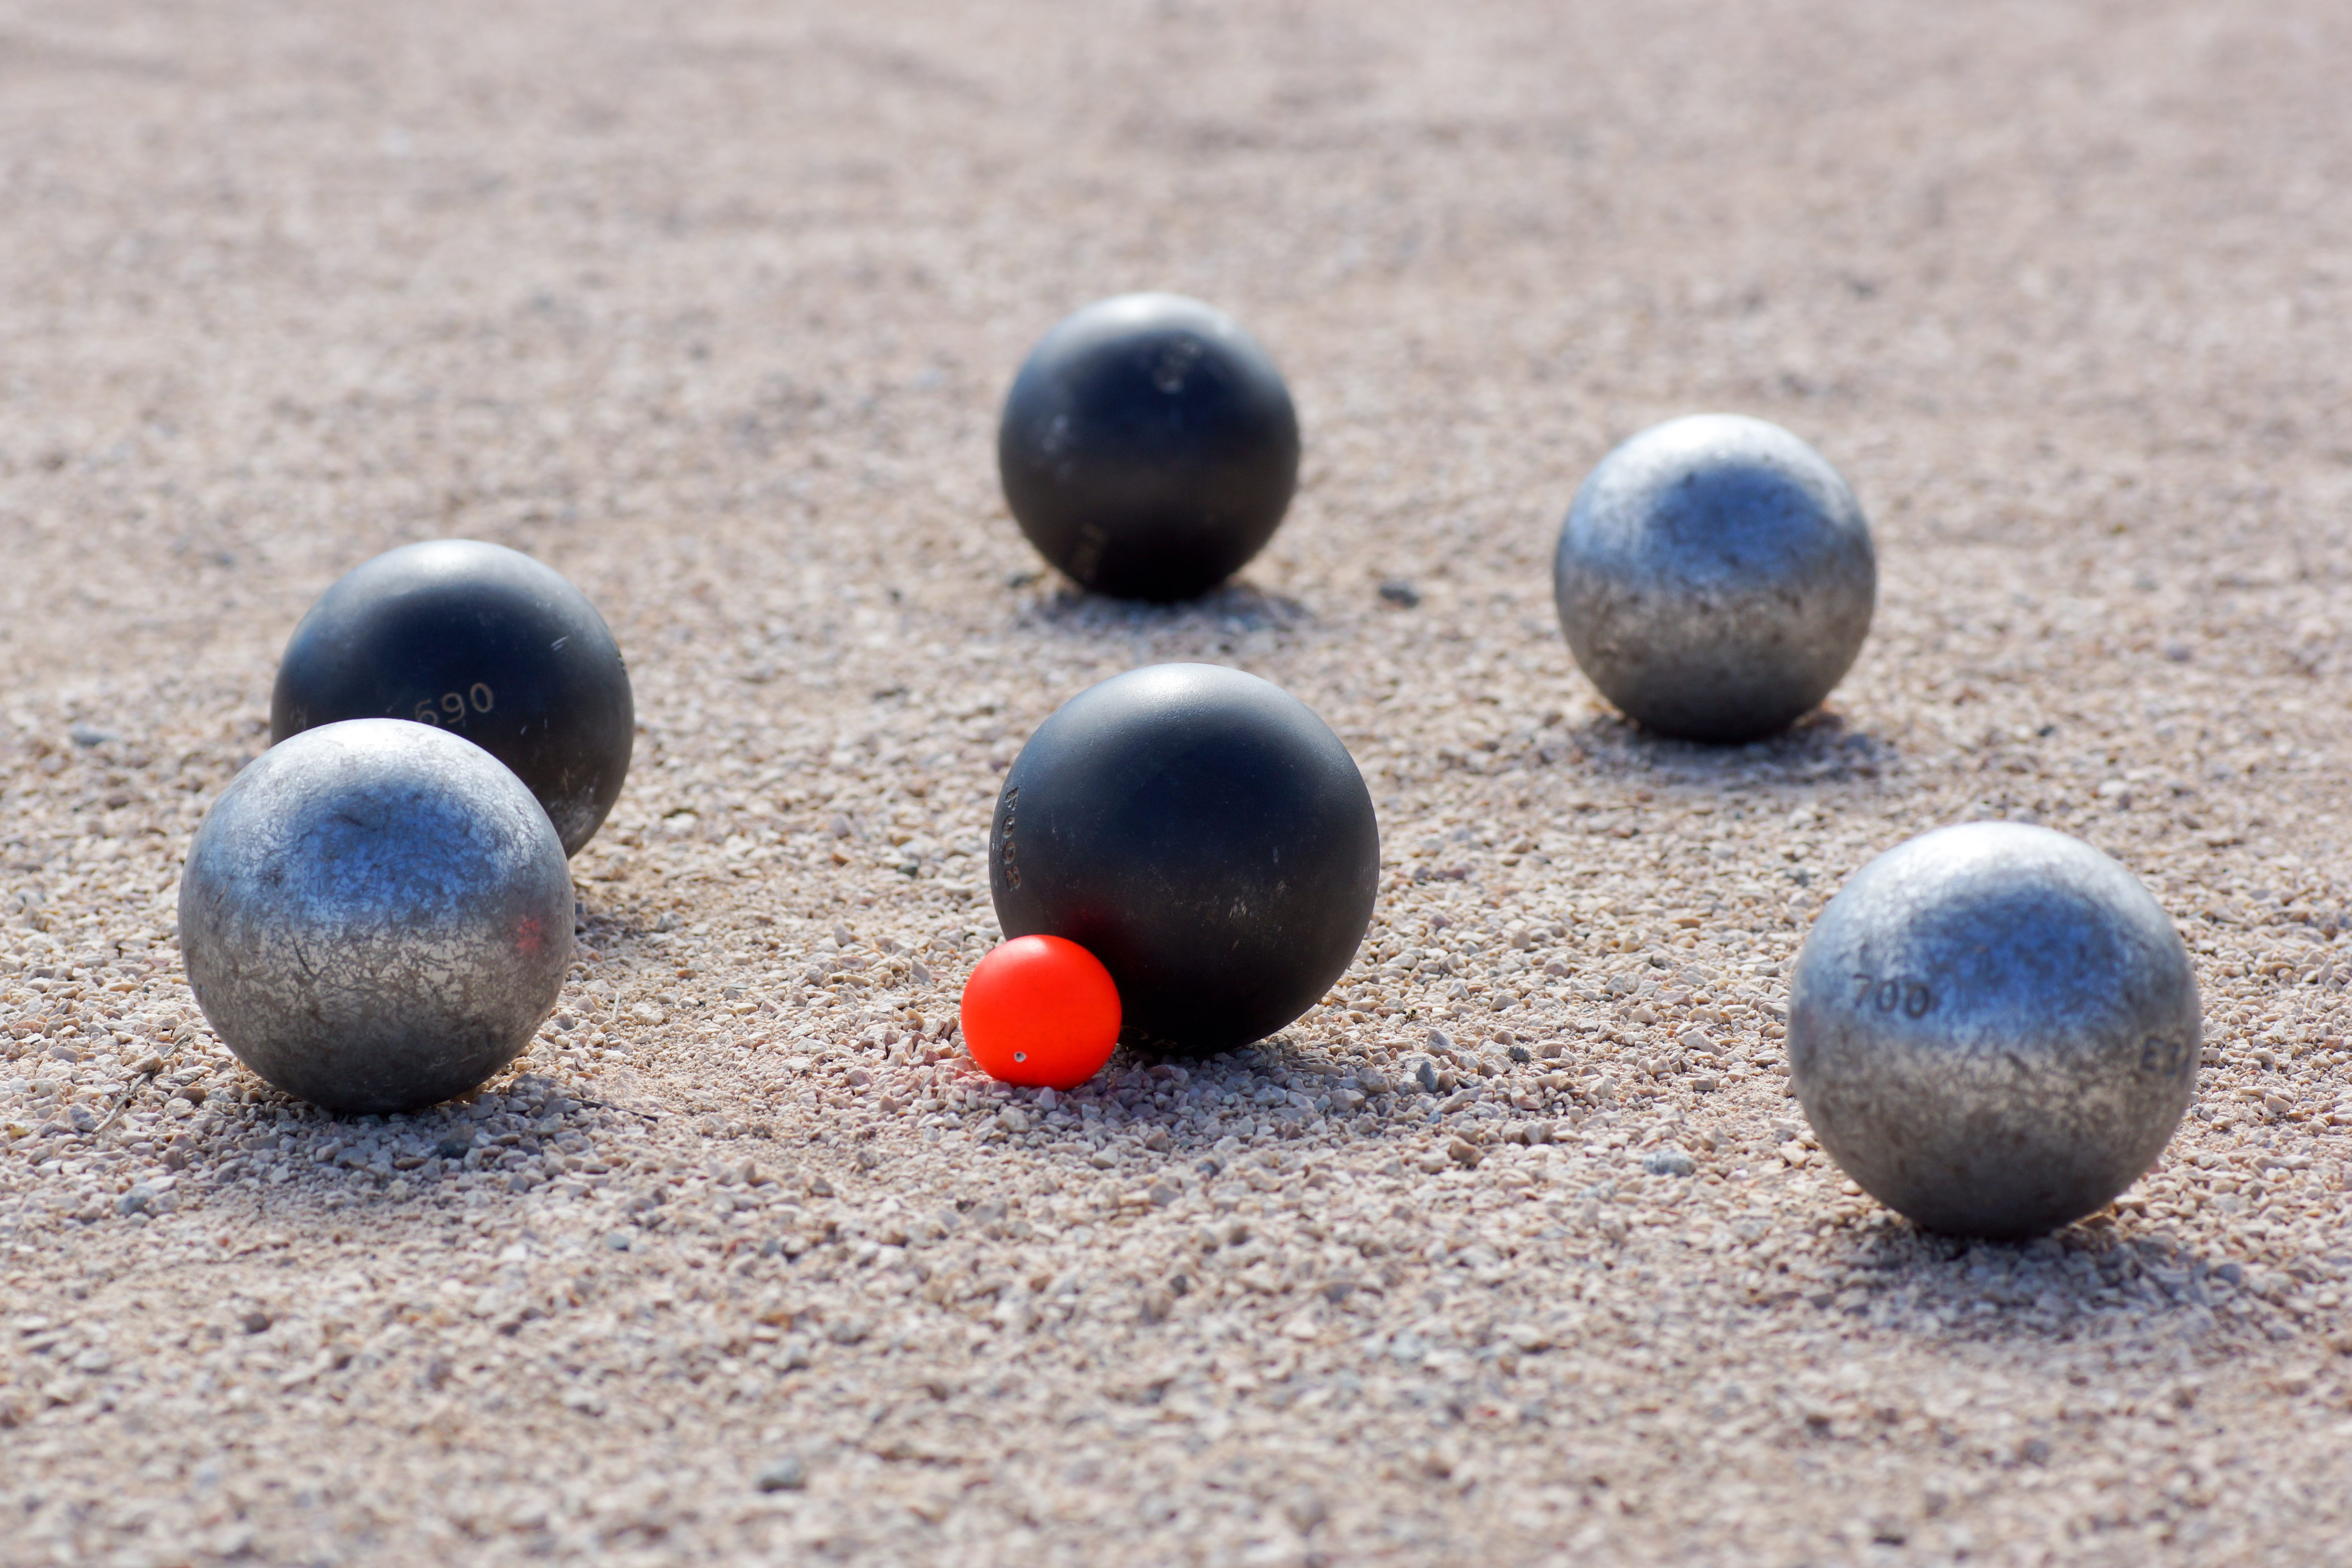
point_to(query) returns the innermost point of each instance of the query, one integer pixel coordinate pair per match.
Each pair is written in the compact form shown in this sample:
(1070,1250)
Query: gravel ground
(1516,1250)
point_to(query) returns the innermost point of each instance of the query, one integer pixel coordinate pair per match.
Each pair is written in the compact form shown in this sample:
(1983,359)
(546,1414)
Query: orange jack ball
(1041,1011)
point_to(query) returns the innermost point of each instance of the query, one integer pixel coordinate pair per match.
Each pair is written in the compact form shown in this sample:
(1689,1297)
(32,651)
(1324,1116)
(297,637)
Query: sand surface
(710,306)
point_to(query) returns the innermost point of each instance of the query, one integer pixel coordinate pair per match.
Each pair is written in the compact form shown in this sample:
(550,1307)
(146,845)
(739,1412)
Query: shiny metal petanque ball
(1994,1029)
(375,915)
(1715,578)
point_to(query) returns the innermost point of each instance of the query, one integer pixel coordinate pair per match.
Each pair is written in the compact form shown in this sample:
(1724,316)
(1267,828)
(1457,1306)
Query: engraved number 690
(453,706)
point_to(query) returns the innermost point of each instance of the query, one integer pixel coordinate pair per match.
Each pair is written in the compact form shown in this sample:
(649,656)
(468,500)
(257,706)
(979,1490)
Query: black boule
(482,641)
(1148,447)
(1203,834)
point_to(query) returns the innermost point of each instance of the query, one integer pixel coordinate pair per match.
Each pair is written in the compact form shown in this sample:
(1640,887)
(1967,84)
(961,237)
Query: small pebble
(785,1475)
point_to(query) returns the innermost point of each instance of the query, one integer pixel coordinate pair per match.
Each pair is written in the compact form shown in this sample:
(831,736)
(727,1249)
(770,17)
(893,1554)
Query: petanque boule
(482,641)
(1148,447)
(1205,836)
(375,916)
(1715,578)
(1994,1029)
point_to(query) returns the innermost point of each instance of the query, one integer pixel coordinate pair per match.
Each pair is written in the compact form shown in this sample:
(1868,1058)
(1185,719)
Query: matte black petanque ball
(1203,834)
(375,916)
(1149,448)
(1715,578)
(484,642)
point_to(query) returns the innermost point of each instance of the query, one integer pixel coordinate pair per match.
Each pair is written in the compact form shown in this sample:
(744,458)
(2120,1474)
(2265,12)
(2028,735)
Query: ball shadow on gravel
(285,1156)
(2087,1281)
(1241,1088)
(1193,627)
(1821,749)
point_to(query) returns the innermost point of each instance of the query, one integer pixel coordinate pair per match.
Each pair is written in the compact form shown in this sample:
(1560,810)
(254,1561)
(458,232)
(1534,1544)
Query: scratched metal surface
(1994,1028)
(375,916)
(1714,577)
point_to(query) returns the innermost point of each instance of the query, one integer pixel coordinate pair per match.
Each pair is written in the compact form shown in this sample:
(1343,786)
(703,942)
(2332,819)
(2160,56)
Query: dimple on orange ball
(1041,1011)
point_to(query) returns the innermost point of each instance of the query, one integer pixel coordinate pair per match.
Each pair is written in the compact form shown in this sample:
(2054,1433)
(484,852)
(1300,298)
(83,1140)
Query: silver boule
(375,915)
(1715,578)
(1994,1029)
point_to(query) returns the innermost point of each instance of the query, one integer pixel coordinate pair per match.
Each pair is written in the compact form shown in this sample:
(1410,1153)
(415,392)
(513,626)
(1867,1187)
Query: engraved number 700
(1911,997)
